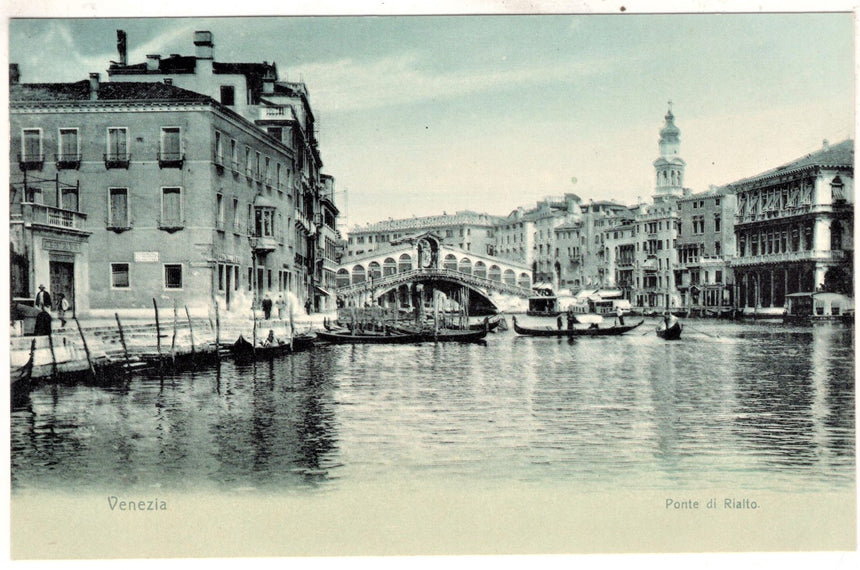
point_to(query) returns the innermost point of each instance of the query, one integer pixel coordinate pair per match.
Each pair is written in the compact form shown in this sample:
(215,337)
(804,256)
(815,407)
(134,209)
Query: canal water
(733,405)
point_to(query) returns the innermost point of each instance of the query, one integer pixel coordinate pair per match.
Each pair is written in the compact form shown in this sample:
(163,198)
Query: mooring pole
(190,332)
(122,340)
(86,348)
(157,332)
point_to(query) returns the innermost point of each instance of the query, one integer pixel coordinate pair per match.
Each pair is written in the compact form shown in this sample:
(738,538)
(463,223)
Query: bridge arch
(358,274)
(509,277)
(465,265)
(374,270)
(389,266)
(343,278)
(480,270)
(450,262)
(404,263)
(495,273)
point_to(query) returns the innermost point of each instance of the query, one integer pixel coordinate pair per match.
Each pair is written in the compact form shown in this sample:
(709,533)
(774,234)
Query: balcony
(31,161)
(55,218)
(791,256)
(264,244)
(68,161)
(171,159)
(117,160)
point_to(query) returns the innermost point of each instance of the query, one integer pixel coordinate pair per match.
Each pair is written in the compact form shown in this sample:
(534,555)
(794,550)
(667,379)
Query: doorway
(62,280)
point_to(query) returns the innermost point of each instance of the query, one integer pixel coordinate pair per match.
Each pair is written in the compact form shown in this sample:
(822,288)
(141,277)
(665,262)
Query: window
(219,148)
(268,173)
(234,155)
(118,210)
(235,214)
(31,145)
(117,147)
(173,276)
(228,95)
(68,151)
(171,207)
(119,276)
(248,161)
(716,222)
(69,199)
(219,213)
(171,147)
(221,276)
(257,172)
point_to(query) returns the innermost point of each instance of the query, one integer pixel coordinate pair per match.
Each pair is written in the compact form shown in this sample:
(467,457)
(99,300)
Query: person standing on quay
(43,298)
(62,307)
(43,323)
(267,307)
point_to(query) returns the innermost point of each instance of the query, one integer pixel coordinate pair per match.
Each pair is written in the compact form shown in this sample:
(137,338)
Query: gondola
(673,332)
(342,337)
(491,325)
(455,335)
(244,351)
(22,375)
(592,330)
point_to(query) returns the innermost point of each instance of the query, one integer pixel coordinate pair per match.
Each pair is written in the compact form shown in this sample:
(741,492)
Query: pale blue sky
(419,115)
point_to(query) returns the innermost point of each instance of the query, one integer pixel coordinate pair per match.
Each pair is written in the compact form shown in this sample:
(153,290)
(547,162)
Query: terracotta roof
(840,155)
(120,91)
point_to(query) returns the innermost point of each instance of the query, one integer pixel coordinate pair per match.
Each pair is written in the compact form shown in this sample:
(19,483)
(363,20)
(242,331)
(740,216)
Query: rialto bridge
(412,269)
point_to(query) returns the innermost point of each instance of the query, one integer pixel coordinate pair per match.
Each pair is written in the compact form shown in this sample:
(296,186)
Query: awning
(321,291)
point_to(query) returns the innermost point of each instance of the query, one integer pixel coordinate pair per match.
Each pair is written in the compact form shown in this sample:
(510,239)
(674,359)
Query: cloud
(351,85)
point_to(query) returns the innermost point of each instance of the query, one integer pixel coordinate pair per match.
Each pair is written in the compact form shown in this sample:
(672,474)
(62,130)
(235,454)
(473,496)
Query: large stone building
(180,196)
(469,231)
(705,248)
(794,228)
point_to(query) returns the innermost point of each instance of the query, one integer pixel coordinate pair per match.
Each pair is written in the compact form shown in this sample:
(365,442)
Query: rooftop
(840,155)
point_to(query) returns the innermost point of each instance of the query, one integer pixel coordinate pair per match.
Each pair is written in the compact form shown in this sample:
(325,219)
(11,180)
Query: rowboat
(672,332)
(343,337)
(592,330)
(245,351)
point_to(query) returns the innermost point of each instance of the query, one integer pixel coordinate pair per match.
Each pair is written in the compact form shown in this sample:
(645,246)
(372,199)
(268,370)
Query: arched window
(836,235)
(375,270)
(466,265)
(524,281)
(480,270)
(342,277)
(450,262)
(358,274)
(405,263)
(495,273)
(510,278)
(389,266)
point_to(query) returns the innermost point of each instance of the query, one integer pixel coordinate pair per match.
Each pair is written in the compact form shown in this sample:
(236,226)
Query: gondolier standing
(620,314)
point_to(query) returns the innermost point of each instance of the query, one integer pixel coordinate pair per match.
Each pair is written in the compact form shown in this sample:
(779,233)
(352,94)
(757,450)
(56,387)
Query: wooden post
(190,331)
(254,330)
(157,332)
(173,339)
(86,348)
(53,356)
(217,332)
(122,340)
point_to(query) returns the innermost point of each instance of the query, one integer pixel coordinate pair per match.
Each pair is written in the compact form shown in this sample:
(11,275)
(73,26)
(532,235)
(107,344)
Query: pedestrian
(282,304)
(43,323)
(308,306)
(558,321)
(62,306)
(267,307)
(43,298)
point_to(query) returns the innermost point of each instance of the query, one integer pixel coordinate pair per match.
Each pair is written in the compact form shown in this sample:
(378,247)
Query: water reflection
(732,405)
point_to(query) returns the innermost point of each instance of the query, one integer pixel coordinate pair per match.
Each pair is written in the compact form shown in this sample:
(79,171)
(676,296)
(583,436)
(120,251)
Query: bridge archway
(479,303)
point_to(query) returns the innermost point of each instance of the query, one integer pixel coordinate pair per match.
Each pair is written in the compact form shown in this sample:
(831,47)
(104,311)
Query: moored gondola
(591,330)
(368,338)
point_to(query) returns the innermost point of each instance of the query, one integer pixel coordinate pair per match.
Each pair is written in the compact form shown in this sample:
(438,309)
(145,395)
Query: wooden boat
(491,325)
(454,335)
(591,330)
(21,375)
(243,350)
(342,337)
(672,332)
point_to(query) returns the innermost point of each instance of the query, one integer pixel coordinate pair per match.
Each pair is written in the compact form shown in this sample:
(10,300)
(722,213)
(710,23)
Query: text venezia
(115,504)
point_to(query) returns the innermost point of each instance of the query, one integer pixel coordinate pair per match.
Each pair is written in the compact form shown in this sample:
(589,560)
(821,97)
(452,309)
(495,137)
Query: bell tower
(670,166)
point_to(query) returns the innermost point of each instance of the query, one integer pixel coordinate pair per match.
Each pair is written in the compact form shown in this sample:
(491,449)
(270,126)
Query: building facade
(466,230)
(177,197)
(794,228)
(706,246)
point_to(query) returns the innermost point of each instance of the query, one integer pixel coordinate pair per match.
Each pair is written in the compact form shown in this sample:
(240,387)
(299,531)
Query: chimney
(152,62)
(205,47)
(826,144)
(14,74)
(121,47)
(94,86)
(269,81)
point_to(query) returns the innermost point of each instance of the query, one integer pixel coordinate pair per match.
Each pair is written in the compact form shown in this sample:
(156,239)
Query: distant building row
(745,245)
(182,179)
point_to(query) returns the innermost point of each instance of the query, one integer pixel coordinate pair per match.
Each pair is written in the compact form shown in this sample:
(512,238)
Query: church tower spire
(670,166)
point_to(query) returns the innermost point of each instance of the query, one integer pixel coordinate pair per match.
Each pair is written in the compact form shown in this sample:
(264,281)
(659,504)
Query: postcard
(560,280)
